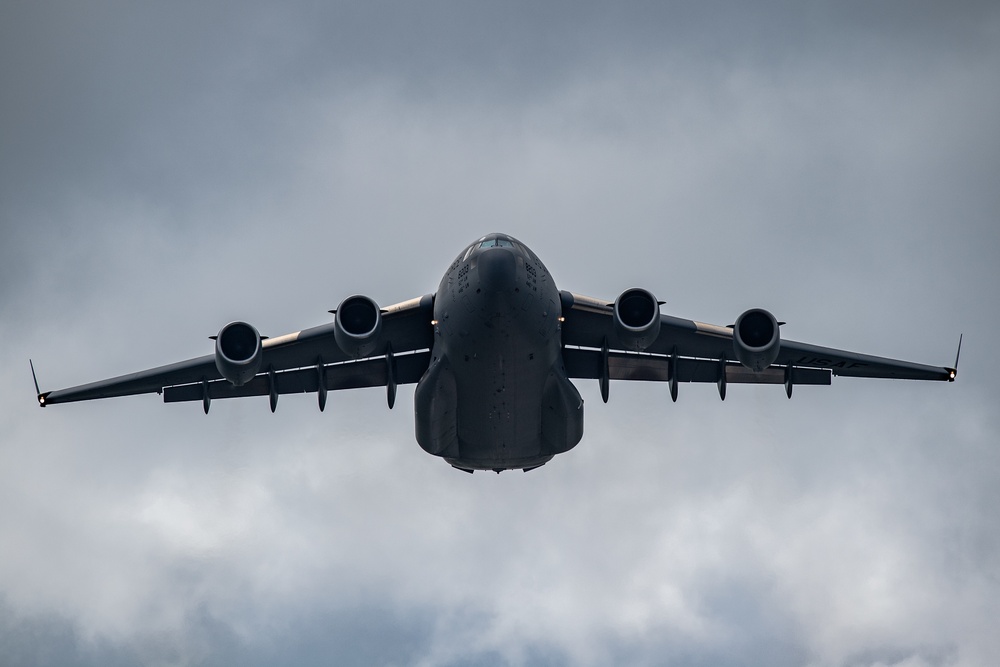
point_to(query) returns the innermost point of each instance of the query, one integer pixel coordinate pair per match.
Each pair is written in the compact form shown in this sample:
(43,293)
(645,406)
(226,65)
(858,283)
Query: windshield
(496,243)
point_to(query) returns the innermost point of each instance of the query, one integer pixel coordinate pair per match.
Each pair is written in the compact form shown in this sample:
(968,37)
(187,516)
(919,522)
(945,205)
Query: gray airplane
(493,353)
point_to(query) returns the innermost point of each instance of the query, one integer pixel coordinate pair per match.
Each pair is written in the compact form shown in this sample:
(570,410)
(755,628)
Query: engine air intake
(637,318)
(238,352)
(756,339)
(358,326)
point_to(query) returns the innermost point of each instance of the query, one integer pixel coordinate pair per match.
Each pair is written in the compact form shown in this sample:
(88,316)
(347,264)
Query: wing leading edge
(304,361)
(705,353)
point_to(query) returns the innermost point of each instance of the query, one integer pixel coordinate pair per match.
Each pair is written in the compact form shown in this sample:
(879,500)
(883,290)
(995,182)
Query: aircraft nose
(497,270)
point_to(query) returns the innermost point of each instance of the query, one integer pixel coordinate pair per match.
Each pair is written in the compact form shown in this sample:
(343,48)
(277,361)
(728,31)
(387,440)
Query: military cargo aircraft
(493,354)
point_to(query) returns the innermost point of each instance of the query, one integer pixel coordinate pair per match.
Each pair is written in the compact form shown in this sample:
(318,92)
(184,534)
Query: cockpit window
(496,243)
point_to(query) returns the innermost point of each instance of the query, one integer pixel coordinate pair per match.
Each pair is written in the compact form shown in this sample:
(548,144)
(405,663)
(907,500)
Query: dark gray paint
(494,391)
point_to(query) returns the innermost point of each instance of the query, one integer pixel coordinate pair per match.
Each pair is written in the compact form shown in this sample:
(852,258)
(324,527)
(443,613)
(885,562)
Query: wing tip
(41,396)
(953,371)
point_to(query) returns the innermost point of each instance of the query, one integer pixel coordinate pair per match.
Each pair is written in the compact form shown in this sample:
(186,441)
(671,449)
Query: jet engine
(238,352)
(358,326)
(637,318)
(756,340)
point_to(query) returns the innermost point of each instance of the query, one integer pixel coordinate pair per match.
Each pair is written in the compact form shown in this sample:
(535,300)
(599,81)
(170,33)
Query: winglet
(41,396)
(954,370)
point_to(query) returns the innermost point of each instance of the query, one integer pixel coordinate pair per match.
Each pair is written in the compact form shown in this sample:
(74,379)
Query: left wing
(596,347)
(310,360)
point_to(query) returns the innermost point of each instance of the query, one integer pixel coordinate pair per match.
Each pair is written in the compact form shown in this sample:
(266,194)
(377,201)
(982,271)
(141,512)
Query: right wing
(305,361)
(704,353)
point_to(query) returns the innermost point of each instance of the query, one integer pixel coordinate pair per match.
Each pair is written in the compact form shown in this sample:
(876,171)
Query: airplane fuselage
(496,395)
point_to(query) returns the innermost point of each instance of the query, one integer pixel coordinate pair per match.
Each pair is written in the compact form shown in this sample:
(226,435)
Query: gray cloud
(165,171)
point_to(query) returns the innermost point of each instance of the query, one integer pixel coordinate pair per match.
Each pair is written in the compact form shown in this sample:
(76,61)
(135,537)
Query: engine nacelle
(238,352)
(637,318)
(756,340)
(358,326)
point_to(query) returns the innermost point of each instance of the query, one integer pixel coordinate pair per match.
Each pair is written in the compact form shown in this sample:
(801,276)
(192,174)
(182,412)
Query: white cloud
(835,171)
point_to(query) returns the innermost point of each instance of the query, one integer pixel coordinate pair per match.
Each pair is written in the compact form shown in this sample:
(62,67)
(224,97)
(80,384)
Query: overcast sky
(164,171)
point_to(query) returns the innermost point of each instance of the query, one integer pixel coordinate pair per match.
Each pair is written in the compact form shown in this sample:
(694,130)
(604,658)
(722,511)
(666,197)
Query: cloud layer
(165,171)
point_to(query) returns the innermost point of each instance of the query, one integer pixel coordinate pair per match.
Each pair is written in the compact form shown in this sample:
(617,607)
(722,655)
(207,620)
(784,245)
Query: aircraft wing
(705,353)
(305,361)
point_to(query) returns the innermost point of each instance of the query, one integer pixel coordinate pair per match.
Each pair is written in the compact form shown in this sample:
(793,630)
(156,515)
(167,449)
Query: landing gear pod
(238,352)
(358,326)
(637,318)
(756,340)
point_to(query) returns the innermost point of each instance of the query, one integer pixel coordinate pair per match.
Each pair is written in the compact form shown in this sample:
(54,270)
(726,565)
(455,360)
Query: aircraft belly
(497,356)
(499,419)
